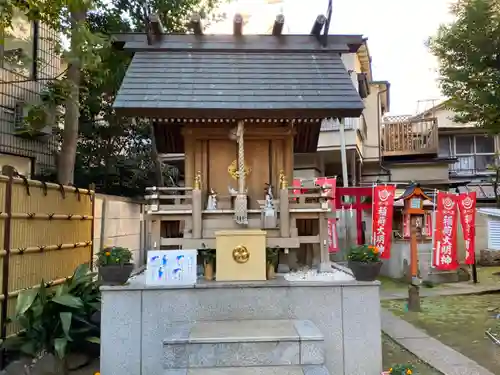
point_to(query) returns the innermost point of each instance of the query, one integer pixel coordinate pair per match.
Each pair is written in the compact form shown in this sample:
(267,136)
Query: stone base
(138,323)
(489,257)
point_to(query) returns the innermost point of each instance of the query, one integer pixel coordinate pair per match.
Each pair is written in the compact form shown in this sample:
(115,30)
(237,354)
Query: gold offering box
(241,255)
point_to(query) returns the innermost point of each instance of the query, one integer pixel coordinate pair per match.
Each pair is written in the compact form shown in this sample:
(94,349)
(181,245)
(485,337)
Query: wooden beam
(279,22)
(196,24)
(156,27)
(318,25)
(238,24)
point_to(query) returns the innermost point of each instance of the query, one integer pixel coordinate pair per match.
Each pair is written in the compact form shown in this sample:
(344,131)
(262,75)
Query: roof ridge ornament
(156,27)
(279,22)
(238,24)
(196,25)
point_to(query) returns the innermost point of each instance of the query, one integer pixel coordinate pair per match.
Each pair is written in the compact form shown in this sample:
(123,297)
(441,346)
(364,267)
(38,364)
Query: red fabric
(445,237)
(333,241)
(383,210)
(297,182)
(467,208)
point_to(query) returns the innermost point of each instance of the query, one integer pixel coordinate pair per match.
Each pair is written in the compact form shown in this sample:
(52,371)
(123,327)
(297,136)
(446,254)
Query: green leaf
(68,300)
(62,289)
(14,343)
(94,340)
(81,270)
(30,348)
(66,318)
(25,299)
(60,345)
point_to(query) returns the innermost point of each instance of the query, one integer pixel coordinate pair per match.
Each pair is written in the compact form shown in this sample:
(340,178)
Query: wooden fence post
(5,266)
(92,226)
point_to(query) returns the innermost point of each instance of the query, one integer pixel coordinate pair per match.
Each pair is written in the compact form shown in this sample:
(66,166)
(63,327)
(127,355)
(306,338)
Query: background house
(27,62)
(472,149)
(360,134)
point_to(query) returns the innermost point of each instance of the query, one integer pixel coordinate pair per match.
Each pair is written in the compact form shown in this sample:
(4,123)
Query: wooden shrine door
(356,201)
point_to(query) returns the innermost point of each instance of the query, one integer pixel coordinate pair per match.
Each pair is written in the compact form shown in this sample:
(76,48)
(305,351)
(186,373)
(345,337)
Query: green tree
(102,147)
(69,18)
(468,52)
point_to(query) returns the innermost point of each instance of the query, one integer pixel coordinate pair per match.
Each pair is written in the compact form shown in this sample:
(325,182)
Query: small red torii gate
(358,205)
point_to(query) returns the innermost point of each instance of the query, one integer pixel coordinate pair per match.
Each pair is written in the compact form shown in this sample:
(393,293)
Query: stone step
(242,343)
(267,370)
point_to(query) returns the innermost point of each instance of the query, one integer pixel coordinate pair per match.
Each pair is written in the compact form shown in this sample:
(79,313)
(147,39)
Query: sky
(396,32)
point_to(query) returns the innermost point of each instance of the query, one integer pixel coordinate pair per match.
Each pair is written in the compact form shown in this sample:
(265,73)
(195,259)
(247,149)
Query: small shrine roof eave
(191,113)
(135,42)
(410,191)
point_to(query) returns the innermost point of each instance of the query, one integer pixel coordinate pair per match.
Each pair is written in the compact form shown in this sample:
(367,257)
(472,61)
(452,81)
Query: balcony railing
(402,135)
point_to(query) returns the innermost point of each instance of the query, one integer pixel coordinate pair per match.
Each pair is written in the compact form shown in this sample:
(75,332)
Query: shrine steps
(245,347)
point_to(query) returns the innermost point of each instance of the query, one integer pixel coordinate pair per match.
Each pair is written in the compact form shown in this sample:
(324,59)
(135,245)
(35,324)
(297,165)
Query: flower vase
(270,271)
(365,271)
(115,274)
(209,271)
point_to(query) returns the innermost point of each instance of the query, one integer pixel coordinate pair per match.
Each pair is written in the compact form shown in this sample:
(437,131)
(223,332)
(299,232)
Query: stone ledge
(137,283)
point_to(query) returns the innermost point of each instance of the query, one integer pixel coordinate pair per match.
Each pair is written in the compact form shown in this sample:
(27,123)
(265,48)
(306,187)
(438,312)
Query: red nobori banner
(445,236)
(333,241)
(467,207)
(382,213)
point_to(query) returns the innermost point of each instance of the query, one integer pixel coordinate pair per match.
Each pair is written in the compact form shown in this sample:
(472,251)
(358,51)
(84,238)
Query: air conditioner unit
(23,129)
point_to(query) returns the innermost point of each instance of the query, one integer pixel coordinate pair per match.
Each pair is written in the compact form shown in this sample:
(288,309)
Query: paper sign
(171,267)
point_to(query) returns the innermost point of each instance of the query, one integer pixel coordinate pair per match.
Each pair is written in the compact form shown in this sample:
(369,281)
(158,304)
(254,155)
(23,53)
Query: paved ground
(448,290)
(428,349)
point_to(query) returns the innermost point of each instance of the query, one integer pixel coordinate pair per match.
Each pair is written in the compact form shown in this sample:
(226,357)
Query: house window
(474,153)
(18,50)
(444,147)
(21,164)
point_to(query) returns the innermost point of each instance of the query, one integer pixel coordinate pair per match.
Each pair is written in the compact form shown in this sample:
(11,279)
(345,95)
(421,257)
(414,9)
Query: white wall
(118,222)
(371,114)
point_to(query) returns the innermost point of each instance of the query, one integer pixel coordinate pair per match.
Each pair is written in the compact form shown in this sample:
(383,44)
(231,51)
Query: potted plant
(208,256)
(115,265)
(364,261)
(271,261)
(57,321)
(400,369)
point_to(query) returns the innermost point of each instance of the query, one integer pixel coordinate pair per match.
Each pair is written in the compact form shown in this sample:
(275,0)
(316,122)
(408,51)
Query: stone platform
(242,328)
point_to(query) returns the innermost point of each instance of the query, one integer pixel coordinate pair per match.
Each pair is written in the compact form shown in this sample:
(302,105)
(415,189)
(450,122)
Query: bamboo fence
(45,233)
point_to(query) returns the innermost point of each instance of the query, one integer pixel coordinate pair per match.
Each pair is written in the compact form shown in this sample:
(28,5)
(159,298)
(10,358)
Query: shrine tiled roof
(258,73)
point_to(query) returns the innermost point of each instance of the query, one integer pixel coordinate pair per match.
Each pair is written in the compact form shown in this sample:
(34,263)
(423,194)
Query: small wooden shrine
(413,199)
(238,107)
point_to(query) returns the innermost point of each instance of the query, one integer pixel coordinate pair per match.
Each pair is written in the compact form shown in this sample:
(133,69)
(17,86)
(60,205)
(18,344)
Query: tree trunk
(156,159)
(67,155)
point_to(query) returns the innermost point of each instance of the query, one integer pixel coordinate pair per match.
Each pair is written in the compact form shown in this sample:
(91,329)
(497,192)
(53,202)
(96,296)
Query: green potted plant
(115,265)
(364,261)
(208,256)
(400,369)
(57,321)
(271,262)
